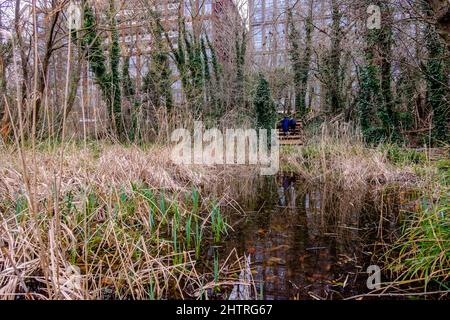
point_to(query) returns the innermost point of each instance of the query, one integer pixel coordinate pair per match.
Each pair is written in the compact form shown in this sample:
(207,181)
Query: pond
(305,241)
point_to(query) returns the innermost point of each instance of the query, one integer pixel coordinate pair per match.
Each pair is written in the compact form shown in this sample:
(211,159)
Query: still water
(303,241)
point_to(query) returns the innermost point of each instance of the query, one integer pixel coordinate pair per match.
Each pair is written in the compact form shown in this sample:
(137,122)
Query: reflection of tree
(287,194)
(302,248)
(282,197)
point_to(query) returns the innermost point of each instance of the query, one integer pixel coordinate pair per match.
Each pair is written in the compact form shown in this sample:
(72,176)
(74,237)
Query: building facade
(269,33)
(215,18)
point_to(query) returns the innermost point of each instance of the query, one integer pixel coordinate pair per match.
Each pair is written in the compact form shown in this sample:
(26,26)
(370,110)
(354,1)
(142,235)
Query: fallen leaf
(262,232)
(276,261)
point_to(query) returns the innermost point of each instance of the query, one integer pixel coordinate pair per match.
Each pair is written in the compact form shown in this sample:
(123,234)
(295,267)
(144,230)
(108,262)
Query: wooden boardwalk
(293,138)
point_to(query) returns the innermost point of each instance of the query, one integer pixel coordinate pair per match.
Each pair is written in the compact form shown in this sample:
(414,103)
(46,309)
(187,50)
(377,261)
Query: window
(143,69)
(258,39)
(128,39)
(207,7)
(187,8)
(40,22)
(172,6)
(280,30)
(280,60)
(189,27)
(281,5)
(146,37)
(207,25)
(178,97)
(133,66)
(258,15)
(281,36)
(258,59)
(270,9)
(270,37)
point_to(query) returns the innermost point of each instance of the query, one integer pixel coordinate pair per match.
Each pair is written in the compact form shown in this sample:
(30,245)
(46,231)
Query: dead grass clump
(111,167)
(339,156)
(138,244)
(106,222)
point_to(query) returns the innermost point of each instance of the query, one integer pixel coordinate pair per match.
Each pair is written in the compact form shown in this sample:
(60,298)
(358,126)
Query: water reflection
(305,242)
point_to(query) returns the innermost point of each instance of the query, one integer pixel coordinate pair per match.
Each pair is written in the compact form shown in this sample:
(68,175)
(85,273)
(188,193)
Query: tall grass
(110,211)
(119,240)
(218,224)
(137,226)
(420,258)
(336,155)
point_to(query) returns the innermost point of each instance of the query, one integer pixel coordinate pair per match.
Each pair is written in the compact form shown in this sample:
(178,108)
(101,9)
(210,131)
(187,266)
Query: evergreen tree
(368,100)
(334,63)
(190,63)
(387,112)
(375,101)
(300,62)
(157,82)
(180,58)
(206,71)
(107,78)
(195,67)
(114,57)
(214,62)
(406,87)
(241,49)
(5,58)
(127,83)
(129,92)
(217,102)
(92,43)
(437,81)
(264,106)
